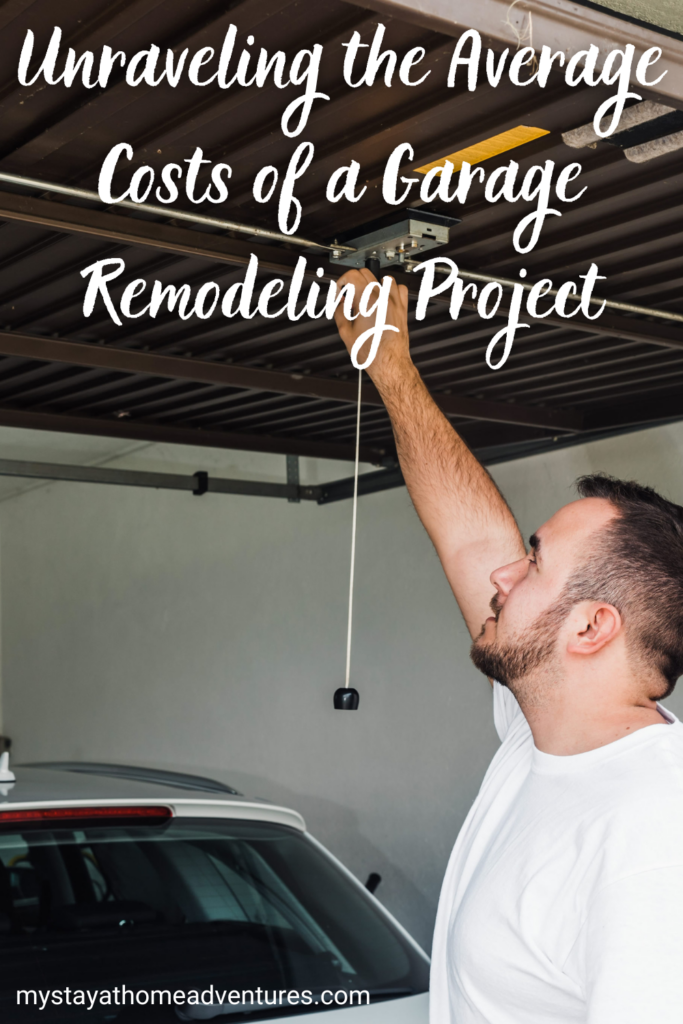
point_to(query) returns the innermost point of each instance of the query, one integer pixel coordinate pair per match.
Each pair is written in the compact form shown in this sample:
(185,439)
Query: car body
(161,897)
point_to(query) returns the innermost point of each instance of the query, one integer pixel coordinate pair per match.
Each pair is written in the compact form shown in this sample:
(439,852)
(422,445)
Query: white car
(129,894)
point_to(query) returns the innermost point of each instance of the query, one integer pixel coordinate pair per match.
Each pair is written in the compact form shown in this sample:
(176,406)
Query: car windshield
(179,907)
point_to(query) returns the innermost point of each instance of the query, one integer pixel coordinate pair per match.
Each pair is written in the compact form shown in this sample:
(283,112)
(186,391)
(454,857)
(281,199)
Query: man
(563,898)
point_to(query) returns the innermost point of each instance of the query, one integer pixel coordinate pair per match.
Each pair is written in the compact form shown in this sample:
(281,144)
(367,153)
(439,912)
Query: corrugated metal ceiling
(619,371)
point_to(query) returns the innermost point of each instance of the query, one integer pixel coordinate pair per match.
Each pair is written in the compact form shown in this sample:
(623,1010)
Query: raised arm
(464,513)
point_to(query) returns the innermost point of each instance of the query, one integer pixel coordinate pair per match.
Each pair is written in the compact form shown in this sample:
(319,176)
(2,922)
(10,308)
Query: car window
(184,905)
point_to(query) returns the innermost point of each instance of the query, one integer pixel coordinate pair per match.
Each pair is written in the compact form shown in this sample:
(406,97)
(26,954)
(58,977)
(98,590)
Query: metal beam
(27,346)
(201,483)
(217,223)
(133,231)
(140,430)
(159,481)
(611,325)
(561,24)
(214,247)
(293,477)
(614,423)
(635,412)
(368,483)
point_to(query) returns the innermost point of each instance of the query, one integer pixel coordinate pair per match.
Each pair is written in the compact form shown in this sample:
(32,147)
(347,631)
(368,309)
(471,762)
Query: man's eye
(532,561)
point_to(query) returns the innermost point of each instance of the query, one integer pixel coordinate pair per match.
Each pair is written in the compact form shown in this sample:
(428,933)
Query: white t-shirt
(563,897)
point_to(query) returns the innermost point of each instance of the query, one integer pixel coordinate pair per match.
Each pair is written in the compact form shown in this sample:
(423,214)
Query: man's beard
(510,661)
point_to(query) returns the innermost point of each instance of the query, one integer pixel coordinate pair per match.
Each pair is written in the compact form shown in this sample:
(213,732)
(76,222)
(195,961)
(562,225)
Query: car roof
(43,786)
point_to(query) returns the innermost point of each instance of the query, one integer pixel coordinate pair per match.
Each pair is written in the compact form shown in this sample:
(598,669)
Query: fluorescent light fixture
(654,148)
(639,113)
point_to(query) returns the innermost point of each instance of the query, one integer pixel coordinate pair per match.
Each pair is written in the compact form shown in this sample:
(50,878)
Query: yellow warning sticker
(488,147)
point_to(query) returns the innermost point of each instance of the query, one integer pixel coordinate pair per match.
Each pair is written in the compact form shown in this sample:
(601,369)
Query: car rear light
(64,815)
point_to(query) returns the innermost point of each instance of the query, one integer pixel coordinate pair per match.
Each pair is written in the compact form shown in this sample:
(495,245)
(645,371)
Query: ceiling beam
(135,231)
(615,325)
(26,346)
(140,430)
(150,234)
(159,481)
(167,238)
(636,411)
(611,325)
(368,483)
(561,24)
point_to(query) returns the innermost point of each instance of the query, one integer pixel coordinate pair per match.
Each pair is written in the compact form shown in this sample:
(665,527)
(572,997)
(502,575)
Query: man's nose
(505,578)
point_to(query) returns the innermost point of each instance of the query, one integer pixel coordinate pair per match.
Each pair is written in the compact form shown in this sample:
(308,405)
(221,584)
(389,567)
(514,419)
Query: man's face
(522,632)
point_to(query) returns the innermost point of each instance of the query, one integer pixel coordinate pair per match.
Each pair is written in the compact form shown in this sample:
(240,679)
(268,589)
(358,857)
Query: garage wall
(665,13)
(209,634)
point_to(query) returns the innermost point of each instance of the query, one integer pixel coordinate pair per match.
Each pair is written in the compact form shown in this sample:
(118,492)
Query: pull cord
(353,535)
(346,698)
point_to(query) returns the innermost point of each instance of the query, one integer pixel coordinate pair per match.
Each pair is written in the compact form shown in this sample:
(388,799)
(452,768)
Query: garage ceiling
(277,386)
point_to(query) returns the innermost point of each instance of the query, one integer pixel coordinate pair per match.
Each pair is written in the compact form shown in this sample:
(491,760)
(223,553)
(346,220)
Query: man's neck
(578,715)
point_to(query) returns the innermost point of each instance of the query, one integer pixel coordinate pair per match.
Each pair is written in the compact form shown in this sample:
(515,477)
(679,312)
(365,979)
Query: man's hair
(639,570)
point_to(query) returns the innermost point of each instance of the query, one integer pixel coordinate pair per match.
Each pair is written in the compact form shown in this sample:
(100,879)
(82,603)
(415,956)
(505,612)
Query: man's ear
(592,625)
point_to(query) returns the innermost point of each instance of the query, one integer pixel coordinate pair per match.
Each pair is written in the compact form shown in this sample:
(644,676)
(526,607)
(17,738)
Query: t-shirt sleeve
(506,710)
(632,950)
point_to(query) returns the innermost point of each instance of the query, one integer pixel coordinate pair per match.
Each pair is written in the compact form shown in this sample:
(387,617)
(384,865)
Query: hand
(393,354)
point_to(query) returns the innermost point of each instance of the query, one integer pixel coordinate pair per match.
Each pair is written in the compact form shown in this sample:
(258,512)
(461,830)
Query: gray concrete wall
(209,634)
(667,14)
